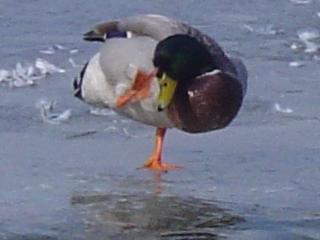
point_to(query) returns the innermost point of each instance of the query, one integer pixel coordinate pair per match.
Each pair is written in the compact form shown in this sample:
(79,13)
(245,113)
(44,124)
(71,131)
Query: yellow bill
(167,88)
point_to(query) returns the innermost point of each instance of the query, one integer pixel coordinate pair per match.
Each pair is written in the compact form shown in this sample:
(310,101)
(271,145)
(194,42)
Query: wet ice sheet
(145,216)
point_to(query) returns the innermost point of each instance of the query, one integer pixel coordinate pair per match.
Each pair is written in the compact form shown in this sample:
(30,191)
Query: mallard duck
(163,73)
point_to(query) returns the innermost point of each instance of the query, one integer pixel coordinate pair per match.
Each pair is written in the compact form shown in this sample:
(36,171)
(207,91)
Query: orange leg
(154,161)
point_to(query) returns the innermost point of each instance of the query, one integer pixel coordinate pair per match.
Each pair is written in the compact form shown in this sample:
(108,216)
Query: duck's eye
(159,74)
(165,84)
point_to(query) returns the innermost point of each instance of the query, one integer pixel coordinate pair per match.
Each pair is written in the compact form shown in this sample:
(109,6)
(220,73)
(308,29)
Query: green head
(179,59)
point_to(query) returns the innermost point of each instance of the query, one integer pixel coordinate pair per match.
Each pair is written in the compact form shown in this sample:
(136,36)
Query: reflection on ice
(190,235)
(143,214)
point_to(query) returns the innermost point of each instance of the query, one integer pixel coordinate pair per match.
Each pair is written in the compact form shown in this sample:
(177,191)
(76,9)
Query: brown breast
(209,102)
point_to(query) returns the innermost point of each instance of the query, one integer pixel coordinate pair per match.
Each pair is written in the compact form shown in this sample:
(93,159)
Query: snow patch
(47,114)
(281,109)
(27,74)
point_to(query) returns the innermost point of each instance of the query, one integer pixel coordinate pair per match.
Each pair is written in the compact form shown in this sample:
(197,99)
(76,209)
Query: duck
(164,73)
